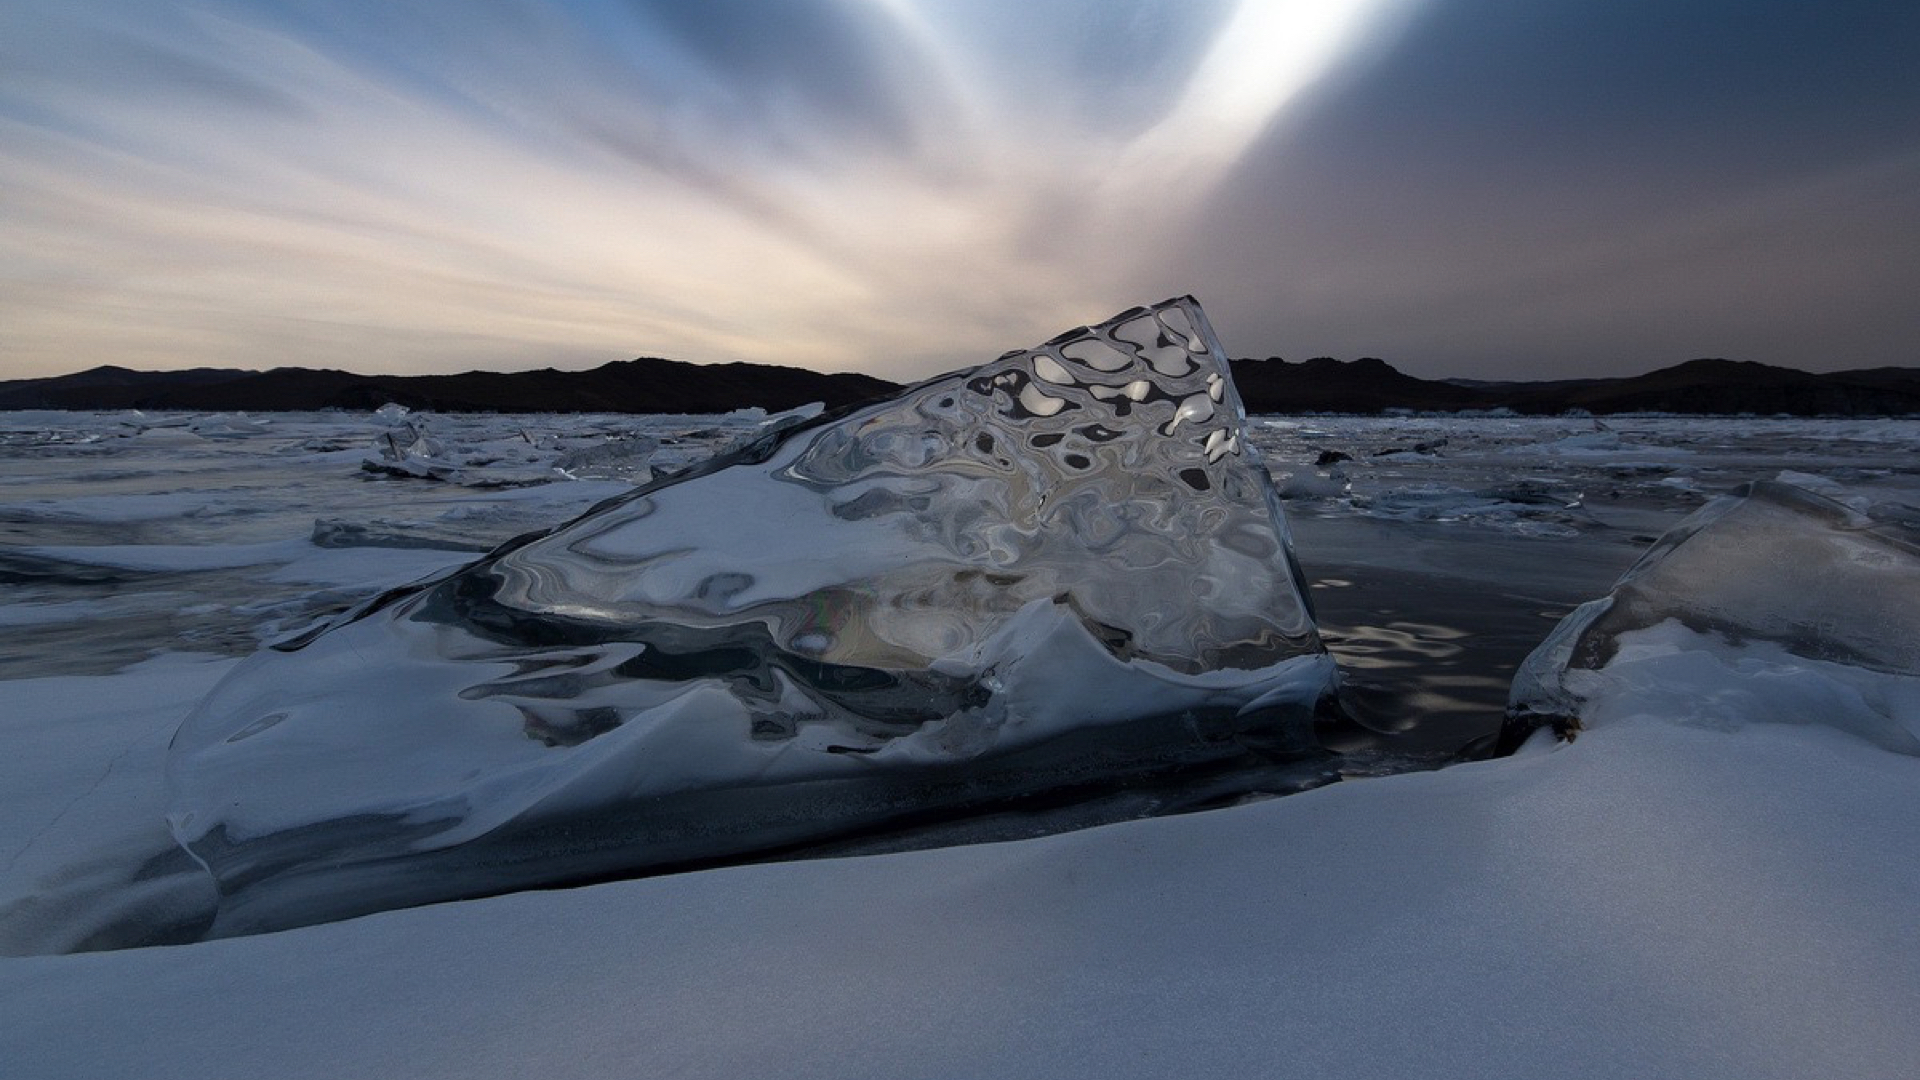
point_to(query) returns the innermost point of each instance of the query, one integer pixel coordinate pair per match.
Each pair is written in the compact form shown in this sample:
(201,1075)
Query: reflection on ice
(1775,603)
(1059,572)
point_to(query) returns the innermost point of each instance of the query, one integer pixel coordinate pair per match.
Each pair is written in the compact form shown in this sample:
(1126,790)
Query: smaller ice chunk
(408,450)
(1771,604)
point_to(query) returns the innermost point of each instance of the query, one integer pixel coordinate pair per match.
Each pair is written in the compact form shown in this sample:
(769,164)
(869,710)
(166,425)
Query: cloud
(906,185)
(1590,189)
(828,183)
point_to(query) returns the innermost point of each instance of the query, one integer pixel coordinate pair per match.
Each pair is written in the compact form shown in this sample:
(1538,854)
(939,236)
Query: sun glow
(1259,62)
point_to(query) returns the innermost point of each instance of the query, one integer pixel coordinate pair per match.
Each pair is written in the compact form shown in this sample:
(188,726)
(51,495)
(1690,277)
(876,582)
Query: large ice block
(1056,574)
(1771,604)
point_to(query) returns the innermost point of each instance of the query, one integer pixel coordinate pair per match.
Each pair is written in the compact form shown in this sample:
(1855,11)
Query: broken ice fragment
(968,594)
(1774,603)
(408,450)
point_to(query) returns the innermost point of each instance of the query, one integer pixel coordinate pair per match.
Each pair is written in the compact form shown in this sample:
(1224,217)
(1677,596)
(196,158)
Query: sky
(1504,189)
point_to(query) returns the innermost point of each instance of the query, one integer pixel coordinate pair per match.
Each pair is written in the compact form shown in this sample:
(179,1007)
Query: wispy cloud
(905,185)
(827,183)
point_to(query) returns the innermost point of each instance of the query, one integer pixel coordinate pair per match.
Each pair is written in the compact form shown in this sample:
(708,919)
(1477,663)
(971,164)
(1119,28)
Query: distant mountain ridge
(1710,387)
(645,385)
(654,385)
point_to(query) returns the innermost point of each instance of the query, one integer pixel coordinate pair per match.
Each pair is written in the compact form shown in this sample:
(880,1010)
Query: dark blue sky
(1492,188)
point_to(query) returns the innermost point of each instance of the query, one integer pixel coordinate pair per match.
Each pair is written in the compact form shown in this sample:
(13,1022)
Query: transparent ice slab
(1773,603)
(1049,577)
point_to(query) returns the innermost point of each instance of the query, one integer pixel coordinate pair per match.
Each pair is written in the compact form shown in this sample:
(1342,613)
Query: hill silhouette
(1323,384)
(653,385)
(1704,387)
(645,385)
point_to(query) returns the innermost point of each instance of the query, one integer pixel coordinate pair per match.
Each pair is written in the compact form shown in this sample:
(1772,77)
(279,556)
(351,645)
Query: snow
(1680,676)
(1651,900)
(1702,885)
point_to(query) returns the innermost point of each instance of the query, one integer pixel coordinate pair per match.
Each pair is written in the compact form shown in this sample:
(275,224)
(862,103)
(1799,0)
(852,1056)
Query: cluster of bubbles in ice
(1062,570)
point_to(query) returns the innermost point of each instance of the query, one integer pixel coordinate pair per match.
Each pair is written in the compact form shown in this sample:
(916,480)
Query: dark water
(1428,622)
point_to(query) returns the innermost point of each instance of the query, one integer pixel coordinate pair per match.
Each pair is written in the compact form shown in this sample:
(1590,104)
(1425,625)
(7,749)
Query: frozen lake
(1713,883)
(1440,549)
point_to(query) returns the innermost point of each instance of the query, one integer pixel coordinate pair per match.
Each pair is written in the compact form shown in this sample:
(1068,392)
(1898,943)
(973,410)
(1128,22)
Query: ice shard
(1774,603)
(1060,573)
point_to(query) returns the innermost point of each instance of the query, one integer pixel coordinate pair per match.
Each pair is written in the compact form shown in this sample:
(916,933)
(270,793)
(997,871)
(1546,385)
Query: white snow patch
(1650,901)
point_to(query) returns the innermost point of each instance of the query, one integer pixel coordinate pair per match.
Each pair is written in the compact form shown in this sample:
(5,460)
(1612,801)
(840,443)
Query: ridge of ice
(1063,570)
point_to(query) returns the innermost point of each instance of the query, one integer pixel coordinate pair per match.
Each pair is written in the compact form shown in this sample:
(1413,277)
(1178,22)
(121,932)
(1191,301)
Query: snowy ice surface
(1652,900)
(1700,899)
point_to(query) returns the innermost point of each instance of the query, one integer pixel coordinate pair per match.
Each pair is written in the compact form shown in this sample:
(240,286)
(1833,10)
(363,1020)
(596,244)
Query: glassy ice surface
(1060,572)
(1776,603)
(180,542)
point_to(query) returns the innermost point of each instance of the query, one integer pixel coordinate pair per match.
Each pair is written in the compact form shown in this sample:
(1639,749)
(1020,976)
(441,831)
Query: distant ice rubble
(405,450)
(1776,604)
(1056,581)
(614,459)
(1521,506)
(408,449)
(478,454)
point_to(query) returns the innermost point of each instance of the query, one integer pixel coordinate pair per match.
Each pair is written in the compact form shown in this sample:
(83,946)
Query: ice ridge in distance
(1059,574)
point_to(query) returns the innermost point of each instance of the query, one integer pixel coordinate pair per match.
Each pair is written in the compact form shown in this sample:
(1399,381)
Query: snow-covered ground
(1683,891)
